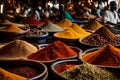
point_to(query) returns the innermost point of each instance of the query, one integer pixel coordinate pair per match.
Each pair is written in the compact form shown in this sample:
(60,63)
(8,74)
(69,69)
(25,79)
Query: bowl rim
(52,67)
(44,35)
(58,59)
(80,41)
(37,76)
(93,49)
(64,38)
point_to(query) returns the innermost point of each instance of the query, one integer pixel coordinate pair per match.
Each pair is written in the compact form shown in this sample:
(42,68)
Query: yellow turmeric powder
(92,25)
(68,33)
(78,29)
(5,75)
(12,28)
(64,23)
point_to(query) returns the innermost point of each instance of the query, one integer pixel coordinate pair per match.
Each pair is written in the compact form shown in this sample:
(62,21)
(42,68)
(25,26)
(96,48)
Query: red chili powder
(64,67)
(54,50)
(33,21)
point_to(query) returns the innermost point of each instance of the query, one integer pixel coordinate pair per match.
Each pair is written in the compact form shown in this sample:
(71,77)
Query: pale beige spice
(16,49)
(50,27)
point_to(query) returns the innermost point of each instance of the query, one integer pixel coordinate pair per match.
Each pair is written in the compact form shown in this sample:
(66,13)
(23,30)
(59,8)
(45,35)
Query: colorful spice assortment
(64,23)
(34,32)
(101,36)
(12,28)
(92,25)
(88,72)
(25,71)
(16,49)
(105,56)
(5,75)
(50,27)
(53,51)
(65,67)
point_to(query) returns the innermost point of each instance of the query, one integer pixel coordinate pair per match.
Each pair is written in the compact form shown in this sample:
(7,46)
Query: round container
(9,36)
(92,45)
(40,67)
(57,64)
(38,39)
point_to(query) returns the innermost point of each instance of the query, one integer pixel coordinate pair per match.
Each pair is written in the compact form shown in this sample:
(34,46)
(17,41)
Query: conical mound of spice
(50,27)
(68,33)
(12,28)
(53,51)
(92,25)
(106,33)
(64,23)
(114,31)
(16,49)
(105,56)
(78,29)
(7,22)
(32,21)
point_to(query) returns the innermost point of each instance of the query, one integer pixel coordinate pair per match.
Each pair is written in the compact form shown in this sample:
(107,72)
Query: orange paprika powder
(108,55)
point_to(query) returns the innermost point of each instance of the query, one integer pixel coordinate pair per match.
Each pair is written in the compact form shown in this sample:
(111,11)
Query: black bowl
(57,64)
(40,67)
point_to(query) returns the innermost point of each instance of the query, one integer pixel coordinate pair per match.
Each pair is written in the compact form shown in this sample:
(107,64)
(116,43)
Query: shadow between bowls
(57,64)
(91,50)
(43,72)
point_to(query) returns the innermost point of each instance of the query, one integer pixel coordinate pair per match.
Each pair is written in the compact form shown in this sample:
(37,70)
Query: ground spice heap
(68,33)
(101,37)
(79,29)
(105,56)
(12,28)
(114,31)
(92,25)
(50,27)
(32,21)
(7,22)
(88,72)
(64,23)
(65,67)
(53,51)
(16,49)
(5,75)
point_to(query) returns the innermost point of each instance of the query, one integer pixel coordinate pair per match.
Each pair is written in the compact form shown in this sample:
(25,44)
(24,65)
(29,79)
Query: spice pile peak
(108,55)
